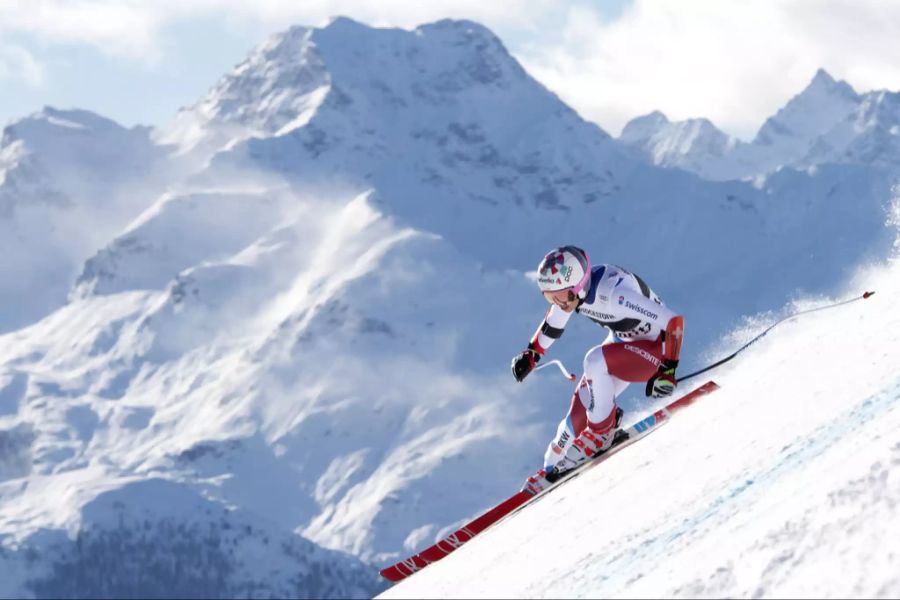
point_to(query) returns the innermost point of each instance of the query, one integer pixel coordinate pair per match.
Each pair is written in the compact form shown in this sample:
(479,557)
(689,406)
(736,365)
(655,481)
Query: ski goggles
(560,296)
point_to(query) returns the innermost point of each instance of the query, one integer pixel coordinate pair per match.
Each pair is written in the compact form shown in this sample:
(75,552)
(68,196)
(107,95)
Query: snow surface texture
(287,354)
(783,484)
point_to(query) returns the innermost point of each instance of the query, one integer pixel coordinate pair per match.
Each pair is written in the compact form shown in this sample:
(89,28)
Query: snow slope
(784,483)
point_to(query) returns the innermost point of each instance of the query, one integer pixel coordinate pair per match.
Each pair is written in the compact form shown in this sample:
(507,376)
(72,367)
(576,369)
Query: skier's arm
(550,330)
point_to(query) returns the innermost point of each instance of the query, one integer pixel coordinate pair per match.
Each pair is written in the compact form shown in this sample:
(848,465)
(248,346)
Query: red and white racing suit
(633,351)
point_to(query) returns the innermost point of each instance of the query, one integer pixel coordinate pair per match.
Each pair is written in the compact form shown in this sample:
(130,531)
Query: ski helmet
(565,268)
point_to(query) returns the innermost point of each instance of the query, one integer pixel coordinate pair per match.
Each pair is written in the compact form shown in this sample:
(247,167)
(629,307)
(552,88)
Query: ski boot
(538,482)
(586,445)
(589,444)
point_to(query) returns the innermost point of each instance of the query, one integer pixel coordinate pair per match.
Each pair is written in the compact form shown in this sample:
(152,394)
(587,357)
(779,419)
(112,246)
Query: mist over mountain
(69,180)
(276,332)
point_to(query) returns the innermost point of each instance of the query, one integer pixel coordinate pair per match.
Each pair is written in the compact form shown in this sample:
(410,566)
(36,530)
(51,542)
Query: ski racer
(643,345)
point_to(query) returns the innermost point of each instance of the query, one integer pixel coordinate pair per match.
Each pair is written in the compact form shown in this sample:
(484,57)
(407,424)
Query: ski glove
(663,383)
(524,362)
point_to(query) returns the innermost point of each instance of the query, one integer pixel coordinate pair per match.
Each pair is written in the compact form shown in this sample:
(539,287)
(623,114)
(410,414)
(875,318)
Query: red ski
(442,548)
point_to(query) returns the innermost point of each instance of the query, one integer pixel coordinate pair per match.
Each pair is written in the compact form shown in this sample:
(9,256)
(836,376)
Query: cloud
(18,63)
(734,62)
(400,13)
(118,27)
(132,27)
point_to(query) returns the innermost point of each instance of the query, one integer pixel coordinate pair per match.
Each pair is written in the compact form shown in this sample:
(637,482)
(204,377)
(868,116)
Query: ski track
(622,567)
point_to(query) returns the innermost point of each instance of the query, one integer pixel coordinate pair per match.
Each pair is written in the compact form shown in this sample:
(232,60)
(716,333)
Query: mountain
(69,180)
(869,135)
(304,334)
(822,104)
(448,101)
(828,122)
(155,538)
(695,145)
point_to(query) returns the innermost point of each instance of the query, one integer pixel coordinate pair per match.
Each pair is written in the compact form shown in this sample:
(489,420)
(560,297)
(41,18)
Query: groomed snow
(784,483)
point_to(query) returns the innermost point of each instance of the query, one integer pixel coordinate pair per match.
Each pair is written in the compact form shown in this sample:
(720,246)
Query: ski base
(445,546)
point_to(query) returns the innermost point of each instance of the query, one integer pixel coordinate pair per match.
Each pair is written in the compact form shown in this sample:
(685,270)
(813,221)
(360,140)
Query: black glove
(524,362)
(663,382)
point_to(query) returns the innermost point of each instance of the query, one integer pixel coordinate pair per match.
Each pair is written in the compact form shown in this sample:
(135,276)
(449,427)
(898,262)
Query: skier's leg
(569,428)
(608,369)
(599,393)
(633,361)
(593,406)
(602,389)
(585,413)
(592,419)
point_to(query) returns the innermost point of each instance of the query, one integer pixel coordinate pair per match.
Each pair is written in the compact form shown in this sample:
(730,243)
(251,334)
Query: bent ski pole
(747,345)
(558,363)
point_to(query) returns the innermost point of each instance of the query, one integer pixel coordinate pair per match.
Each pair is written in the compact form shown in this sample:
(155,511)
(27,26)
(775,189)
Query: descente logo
(643,354)
(640,309)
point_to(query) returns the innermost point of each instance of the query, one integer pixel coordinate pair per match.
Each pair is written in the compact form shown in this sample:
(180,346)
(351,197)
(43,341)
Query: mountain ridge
(827,122)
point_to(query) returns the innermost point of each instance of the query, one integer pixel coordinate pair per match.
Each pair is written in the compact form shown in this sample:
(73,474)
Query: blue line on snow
(620,568)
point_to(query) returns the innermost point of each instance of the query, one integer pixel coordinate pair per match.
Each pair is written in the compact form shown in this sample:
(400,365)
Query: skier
(643,345)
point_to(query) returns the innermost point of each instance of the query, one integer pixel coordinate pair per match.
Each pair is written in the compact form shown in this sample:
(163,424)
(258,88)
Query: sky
(731,61)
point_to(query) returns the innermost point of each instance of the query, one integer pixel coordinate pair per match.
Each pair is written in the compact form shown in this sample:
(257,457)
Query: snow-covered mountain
(828,122)
(296,352)
(825,102)
(869,135)
(695,145)
(69,180)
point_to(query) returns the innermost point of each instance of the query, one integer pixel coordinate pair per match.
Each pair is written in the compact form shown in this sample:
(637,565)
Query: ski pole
(558,363)
(747,345)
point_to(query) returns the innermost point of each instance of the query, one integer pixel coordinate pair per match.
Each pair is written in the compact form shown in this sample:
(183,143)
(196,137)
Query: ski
(445,546)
